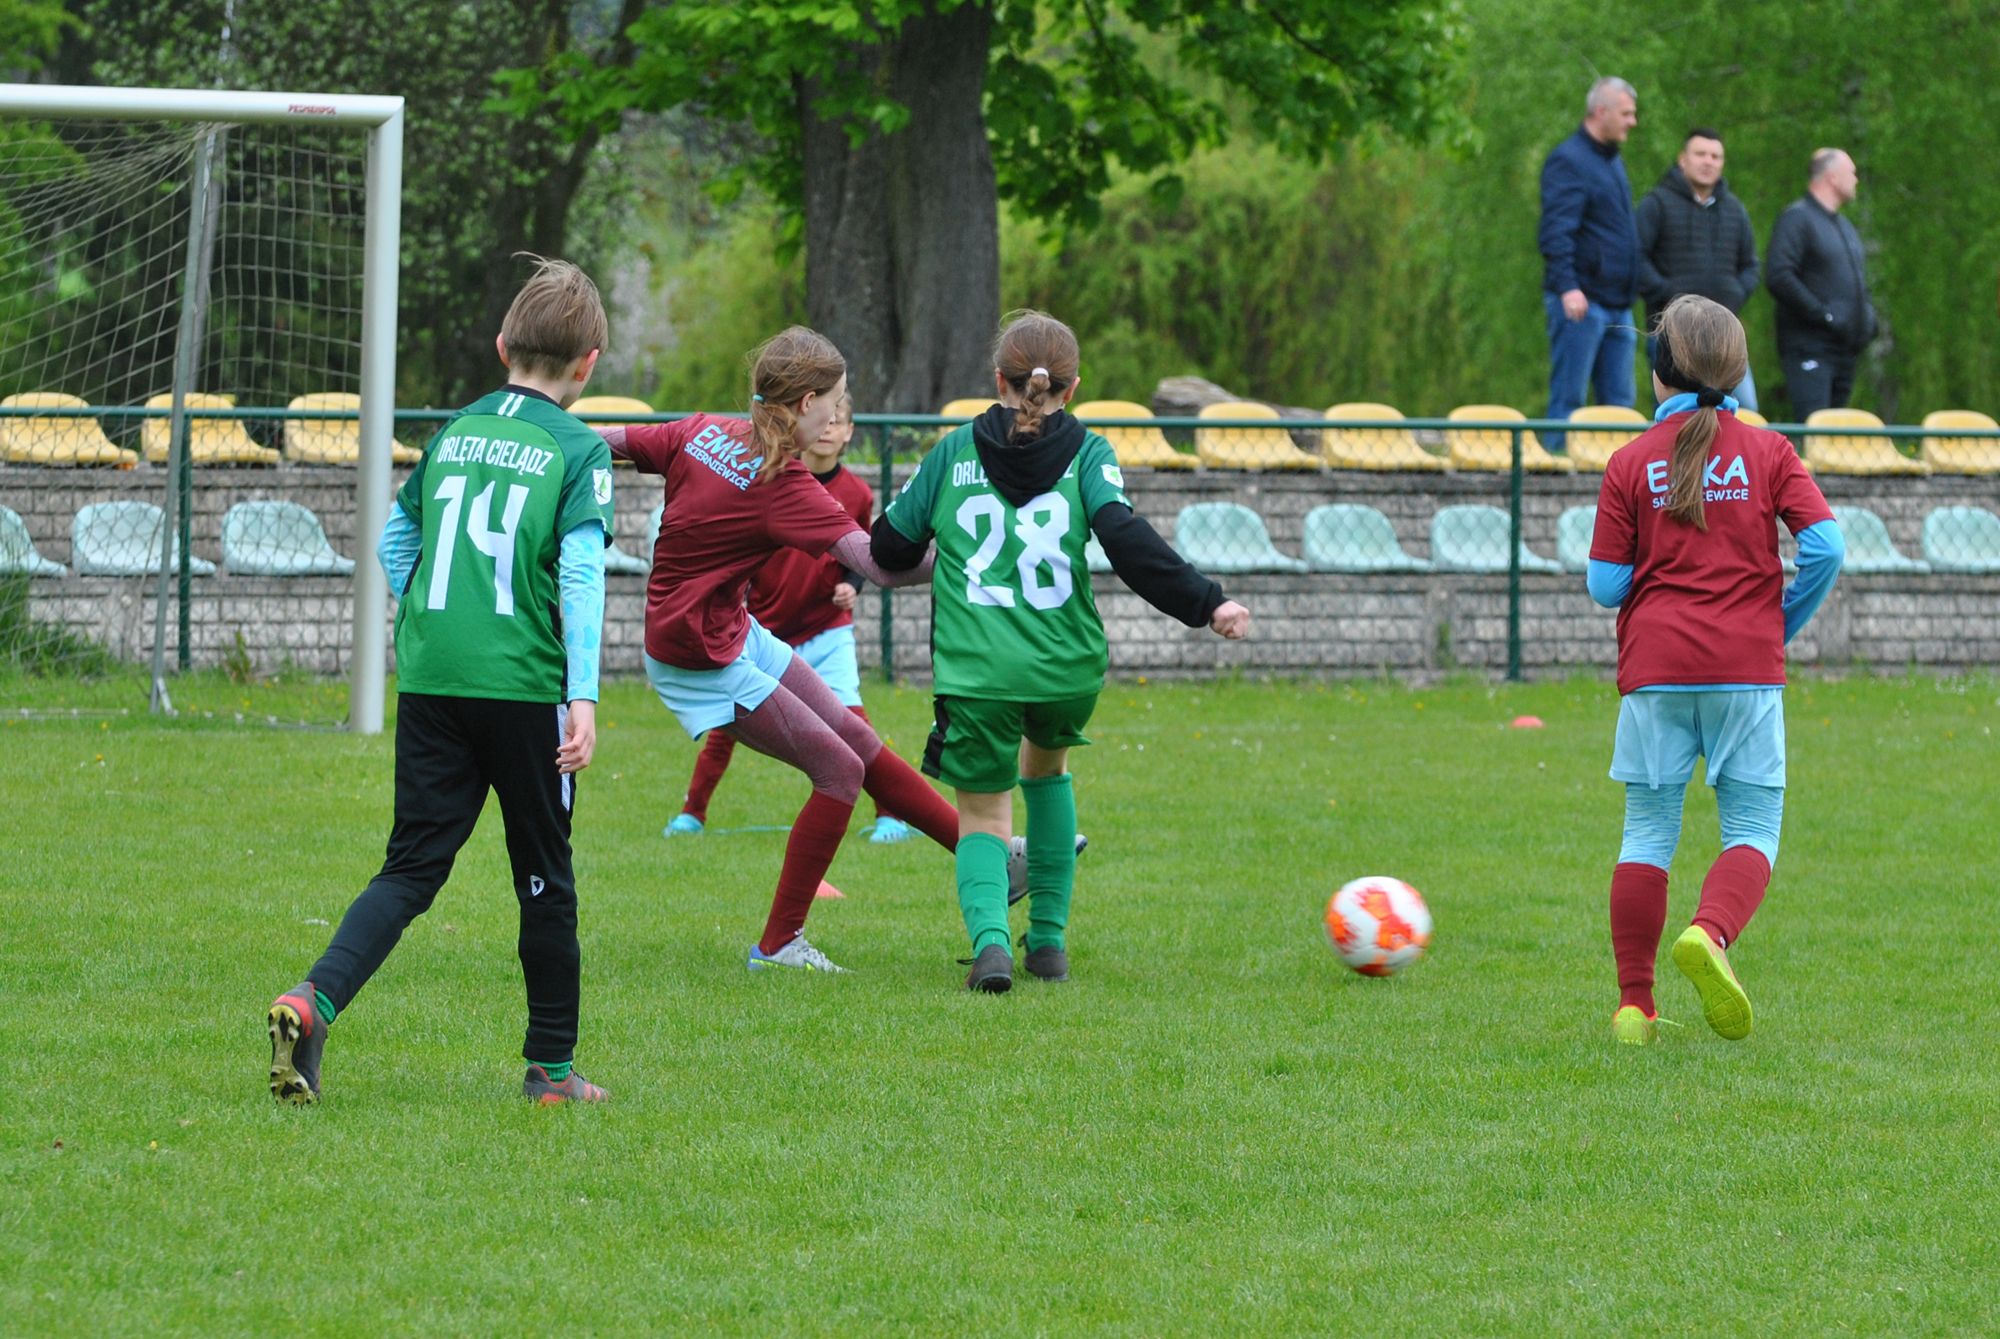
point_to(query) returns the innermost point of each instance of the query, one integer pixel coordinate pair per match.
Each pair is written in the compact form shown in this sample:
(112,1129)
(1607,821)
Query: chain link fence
(1363,543)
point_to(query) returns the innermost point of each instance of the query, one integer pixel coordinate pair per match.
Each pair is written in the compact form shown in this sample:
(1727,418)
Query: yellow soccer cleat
(1723,1002)
(1631,1027)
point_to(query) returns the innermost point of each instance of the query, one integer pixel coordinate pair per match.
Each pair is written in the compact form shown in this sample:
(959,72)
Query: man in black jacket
(1817,278)
(1694,237)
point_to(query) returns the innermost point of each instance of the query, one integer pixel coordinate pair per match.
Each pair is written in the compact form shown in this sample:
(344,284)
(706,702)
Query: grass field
(1213,1127)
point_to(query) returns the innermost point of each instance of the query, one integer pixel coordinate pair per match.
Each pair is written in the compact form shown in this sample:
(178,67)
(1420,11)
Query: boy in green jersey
(495,549)
(1017,647)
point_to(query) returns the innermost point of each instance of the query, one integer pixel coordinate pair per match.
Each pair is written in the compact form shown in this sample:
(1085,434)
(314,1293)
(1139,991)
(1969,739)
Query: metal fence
(1363,543)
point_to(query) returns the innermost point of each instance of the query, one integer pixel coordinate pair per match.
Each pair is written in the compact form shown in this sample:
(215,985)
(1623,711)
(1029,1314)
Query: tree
(894,129)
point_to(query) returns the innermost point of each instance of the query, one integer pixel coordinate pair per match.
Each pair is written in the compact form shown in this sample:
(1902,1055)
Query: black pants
(449,752)
(1818,380)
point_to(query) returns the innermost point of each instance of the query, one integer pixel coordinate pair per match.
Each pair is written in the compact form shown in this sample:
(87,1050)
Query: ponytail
(1037,356)
(774,432)
(1028,418)
(1687,468)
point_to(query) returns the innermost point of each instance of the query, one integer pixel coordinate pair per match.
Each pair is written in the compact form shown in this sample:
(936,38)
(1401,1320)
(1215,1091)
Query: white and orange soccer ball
(1378,925)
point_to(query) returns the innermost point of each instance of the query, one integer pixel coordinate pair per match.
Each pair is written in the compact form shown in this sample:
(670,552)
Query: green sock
(323,1007)
(556,1073)
(1051,857)
(982,889)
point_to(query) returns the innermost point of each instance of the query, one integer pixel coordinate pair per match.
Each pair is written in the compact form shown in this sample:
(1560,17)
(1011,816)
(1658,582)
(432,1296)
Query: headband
(1670,374)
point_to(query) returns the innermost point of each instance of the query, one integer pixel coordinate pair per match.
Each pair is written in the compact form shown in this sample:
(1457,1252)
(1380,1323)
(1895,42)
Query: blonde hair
(784,369)
(1700,342)
(555,319)
(1037,355)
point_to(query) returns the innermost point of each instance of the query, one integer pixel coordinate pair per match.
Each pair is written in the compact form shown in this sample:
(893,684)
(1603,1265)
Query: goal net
(197,298)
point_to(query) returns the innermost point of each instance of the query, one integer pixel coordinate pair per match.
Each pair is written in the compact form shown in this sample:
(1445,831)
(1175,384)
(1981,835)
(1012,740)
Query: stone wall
(1306,624)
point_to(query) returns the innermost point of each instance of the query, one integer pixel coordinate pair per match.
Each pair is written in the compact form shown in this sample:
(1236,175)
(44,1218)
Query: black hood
(1023,472)
(1674,181)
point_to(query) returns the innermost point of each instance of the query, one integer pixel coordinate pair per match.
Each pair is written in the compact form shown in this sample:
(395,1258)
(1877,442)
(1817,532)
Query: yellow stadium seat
(1373,448)
(1753,418)
(1493,448)
(611,404)
(1854,455)
(56,441)
(1592,450)
(211,441)
(1962,455)
(966,408)
(1148,447)
(333,441)
(1248,448)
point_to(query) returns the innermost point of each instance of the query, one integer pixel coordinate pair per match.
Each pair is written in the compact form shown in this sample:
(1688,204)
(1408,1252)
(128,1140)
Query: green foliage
(29,31)
(40,649)
(724,299)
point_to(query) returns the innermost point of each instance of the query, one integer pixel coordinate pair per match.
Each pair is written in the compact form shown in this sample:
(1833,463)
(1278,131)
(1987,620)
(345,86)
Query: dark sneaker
(297,1038)
(1047,964)
(545,1090)
(992,971)
(1017,865)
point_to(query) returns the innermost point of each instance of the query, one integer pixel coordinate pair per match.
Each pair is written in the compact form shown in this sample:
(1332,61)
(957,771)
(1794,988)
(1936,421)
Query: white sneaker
(1017,865)
(798,953)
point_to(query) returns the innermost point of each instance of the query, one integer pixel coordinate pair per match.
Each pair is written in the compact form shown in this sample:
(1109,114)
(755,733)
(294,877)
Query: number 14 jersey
(1013,618)
(496,490)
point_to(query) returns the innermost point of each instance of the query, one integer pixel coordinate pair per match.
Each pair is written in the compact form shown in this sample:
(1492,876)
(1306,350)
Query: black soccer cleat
(297,1038)
(1047,964)
(992,972)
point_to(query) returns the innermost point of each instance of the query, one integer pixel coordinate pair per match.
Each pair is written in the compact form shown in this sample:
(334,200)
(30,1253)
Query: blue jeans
(1593,353)
(1746,389)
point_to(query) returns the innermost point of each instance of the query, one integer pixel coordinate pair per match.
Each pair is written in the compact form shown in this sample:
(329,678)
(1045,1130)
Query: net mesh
(97,219)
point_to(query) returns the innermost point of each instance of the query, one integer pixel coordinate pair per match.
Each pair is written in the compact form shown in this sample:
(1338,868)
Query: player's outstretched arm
(1149,565)
(853,551)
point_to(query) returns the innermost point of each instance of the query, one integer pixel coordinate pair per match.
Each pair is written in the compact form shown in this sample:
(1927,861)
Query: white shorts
(702,700)
(1741,732)
(831,655)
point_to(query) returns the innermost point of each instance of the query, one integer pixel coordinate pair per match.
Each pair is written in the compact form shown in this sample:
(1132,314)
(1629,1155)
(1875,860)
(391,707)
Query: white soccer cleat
(799,953)
(1017,865)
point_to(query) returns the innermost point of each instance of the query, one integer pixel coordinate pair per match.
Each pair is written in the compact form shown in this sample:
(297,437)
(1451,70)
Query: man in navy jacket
(1820,283)
(1590,257)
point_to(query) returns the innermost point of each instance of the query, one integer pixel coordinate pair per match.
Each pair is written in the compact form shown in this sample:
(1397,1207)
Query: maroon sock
(709,766)
(862,712)
(1638,915)
(1732,892)
(896,788)
(816,835)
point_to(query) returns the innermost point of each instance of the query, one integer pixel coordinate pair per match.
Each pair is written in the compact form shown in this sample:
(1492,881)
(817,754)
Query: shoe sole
(997,984)
(287,1031)
(1724,1004)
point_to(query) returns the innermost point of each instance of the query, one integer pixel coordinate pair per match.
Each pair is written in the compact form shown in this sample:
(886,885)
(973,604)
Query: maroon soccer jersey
(792,593)
(719,527)
(1706,606)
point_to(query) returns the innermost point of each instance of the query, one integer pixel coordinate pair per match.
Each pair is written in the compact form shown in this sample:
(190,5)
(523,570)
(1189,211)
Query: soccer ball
(1378,925)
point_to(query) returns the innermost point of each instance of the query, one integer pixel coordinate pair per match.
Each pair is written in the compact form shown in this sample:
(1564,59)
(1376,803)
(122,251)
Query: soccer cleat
(1047,964)
(992,972)
(1723,1002)
(1631,1027)
(297,1038)
(684,825)
(538,1086)
(798,954)
(1017,865)
(886,830)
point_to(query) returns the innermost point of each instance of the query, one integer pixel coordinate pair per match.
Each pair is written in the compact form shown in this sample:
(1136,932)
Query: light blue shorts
(701,700)
(831,655)
(1740,731)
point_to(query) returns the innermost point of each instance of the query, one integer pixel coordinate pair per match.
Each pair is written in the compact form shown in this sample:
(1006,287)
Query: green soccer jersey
(1012,614)
(495,493)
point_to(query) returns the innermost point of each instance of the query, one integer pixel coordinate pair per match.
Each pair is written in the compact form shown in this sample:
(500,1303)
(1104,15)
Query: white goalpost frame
(381,243)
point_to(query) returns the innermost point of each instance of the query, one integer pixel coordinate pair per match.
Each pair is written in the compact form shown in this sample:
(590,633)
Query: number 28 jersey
(1013,618)
(496,490)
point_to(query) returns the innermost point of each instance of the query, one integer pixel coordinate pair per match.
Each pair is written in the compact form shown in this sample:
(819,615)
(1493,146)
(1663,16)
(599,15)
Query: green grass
(1214,1127)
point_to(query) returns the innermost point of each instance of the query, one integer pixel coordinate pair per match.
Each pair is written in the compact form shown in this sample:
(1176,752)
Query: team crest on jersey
(600,487)
(1115,477)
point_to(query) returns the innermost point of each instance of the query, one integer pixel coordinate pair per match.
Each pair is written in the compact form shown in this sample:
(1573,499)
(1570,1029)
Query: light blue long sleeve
(402,543)
(580,582)
(1822,549)
(1609,583)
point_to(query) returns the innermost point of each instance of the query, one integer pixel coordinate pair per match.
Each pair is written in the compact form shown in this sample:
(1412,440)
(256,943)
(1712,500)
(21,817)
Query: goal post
(381,119)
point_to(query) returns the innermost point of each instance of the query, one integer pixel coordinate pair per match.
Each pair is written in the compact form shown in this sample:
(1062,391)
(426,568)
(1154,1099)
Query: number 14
(495,544)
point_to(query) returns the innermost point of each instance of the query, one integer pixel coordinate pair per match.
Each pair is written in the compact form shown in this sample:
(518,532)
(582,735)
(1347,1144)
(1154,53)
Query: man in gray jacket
(1695,237)
(1815,273)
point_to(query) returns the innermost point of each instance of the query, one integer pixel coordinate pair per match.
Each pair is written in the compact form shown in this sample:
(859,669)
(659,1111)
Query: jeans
(1746,389)
(1593,353)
